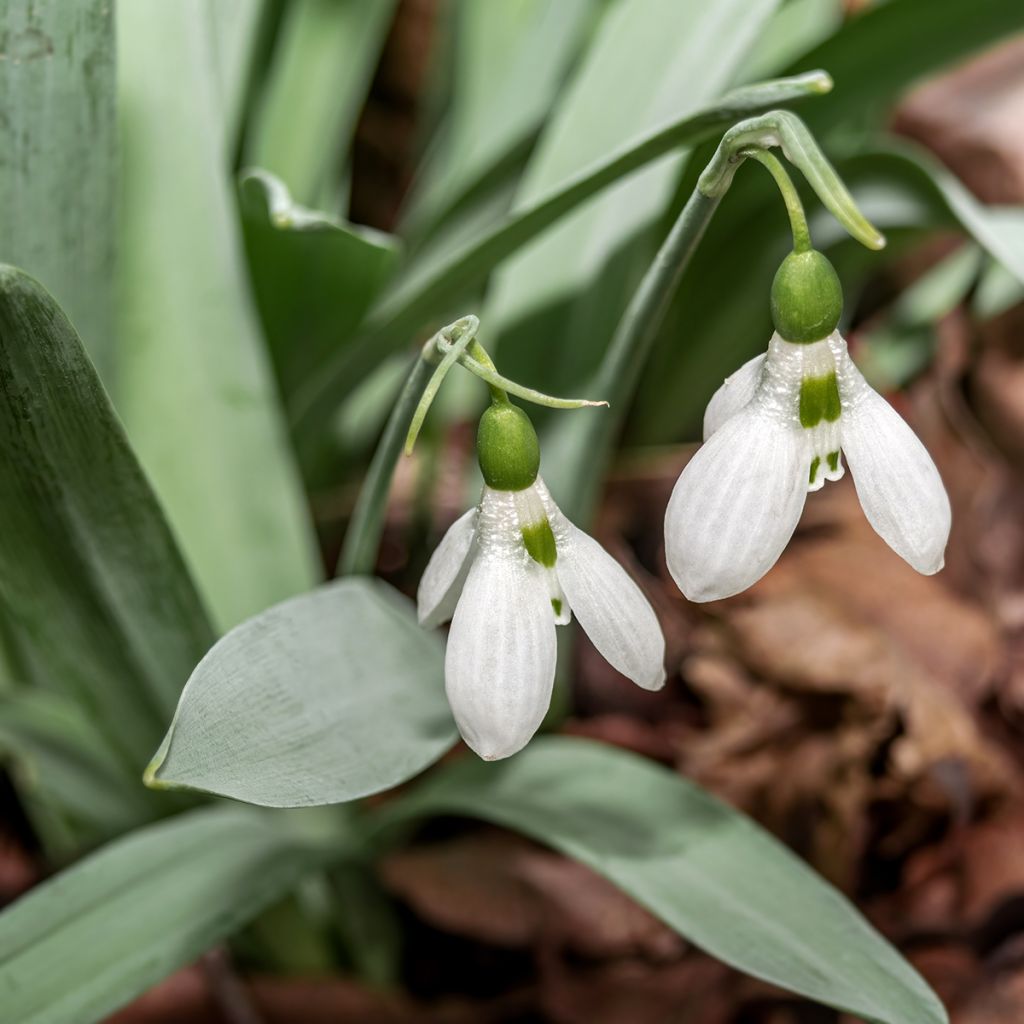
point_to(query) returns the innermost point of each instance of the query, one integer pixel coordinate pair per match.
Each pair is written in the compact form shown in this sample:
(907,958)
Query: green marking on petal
(819,400)
(556,603)
(540,543)
(833,461)
(833,406)
(815,466)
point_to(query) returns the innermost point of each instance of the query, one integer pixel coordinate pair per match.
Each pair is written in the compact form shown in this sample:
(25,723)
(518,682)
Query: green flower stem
(455,343)
(421,292)
(790,196)
(579,448)
(362,539)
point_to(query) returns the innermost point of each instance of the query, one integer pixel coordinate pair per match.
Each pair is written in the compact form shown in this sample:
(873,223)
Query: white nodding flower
(778,428)
(506,573)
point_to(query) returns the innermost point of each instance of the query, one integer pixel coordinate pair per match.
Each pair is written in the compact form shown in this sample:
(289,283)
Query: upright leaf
(59,159)
(90,939)
(556,304)
(314,275)
(327,697)
(704,869)
(509,61)
(323,63)
(195,390)
(94,587)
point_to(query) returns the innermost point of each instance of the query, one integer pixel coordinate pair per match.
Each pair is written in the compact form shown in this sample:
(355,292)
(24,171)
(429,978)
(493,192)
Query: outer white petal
(733,395)
(736,504)
(446,572)
(610,607)
(899,487)
(500,662)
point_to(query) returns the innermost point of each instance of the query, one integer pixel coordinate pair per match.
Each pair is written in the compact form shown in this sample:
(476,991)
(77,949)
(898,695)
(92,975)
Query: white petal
(500,663)
(610,607)
(446,572)
(899,487)
(733,395)
(736,504)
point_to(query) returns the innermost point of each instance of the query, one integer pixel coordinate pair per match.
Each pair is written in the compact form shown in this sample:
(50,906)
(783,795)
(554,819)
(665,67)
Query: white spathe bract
(500,661)
(776,429)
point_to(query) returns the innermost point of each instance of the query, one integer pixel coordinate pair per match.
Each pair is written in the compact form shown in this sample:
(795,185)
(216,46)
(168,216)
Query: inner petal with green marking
(820,412)
(539,541)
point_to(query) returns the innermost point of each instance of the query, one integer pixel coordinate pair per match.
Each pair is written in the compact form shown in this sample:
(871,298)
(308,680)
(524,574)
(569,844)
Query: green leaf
(90,577)
(321,70)
(59,157)
(314,276)
(236,27)
(425,289)
(703,868)
(87,941)
(194,387)
(324,698)
(510,59)
(73,784)
(648,62)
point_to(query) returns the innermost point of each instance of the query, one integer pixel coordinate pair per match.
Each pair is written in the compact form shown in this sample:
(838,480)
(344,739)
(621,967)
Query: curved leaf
(59,157)
(193,384)
(90,939)
(95,590)
(703,868)
(326,697)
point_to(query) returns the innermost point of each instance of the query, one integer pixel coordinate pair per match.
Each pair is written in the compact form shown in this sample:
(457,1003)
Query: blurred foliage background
(253,212)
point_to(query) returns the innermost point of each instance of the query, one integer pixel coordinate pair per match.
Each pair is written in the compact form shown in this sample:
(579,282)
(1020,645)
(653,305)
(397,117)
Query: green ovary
(540,543)
(819,400)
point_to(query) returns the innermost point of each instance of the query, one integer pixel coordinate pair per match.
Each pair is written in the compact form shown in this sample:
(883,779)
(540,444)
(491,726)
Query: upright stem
(580,448)
(790,196)
(362,539)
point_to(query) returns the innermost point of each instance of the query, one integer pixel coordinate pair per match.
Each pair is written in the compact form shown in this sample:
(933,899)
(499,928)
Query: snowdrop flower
(510,570)
(780,427)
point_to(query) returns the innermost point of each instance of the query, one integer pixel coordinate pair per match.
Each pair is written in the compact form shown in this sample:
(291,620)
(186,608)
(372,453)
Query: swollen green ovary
(820,414)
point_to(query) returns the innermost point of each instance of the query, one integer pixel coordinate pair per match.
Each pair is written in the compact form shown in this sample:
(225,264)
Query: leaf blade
(327,697)
(706,870)
(139,908)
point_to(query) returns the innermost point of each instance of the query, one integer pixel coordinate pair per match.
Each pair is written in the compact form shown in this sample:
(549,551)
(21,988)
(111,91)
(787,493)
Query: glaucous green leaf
(706,870)
(72,784)
(555,304)
(194,386)
(236,27)
(59,157)
(93,937)
(91,581)
(509,61)
(323,62)
(327,697)
(314,276)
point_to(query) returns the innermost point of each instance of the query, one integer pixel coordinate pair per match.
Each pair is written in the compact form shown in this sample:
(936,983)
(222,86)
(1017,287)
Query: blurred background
(870,717)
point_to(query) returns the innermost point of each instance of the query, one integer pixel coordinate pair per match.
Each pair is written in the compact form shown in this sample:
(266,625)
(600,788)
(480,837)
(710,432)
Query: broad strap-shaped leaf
(91,582)
(75,789)
(59,157)
(90,939)
(194,386)
(314,276)
(326,697)
(320,71)
(509,61)
(703,868)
